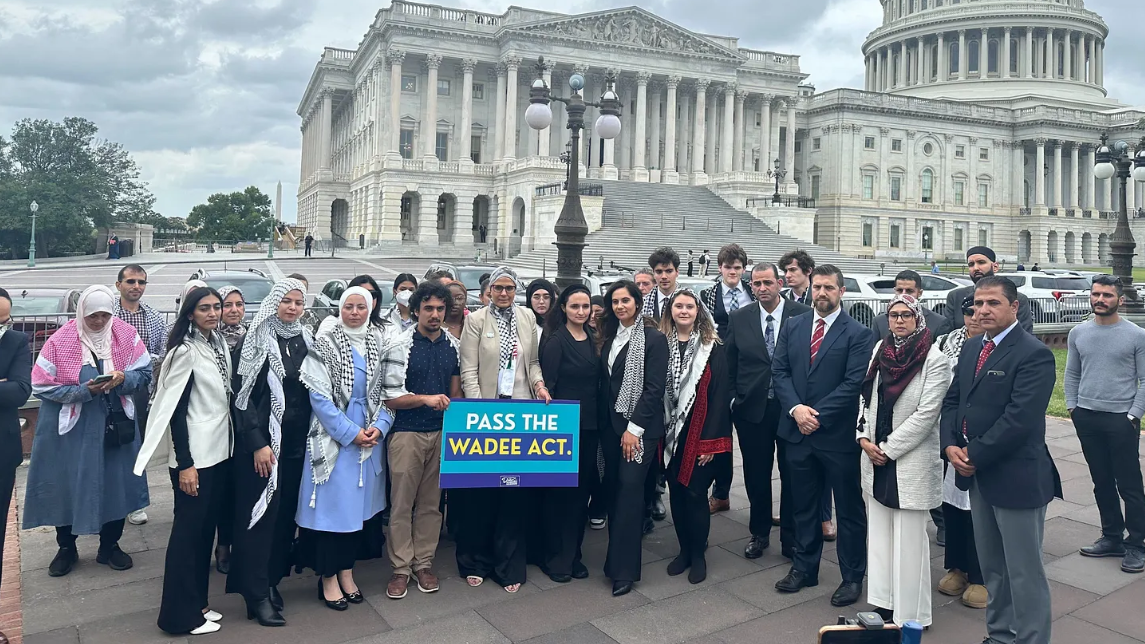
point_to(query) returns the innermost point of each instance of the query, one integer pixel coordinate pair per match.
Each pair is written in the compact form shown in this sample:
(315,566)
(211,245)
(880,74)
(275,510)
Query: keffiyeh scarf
(506,331)
(632,384)
(219,348)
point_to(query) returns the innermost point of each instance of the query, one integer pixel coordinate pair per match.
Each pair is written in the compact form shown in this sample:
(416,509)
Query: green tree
(80,182)
(238,216)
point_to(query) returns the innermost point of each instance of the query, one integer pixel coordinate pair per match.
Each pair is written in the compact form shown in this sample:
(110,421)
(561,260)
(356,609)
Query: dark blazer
(953,311)
(749,365)
(938,324)
(252,425)
(16,370)
(649,412)
(789,295)
(830,385)
(713,300)
(1004,409)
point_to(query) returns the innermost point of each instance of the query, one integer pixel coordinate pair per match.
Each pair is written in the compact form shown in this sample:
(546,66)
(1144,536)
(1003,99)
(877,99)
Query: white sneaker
(207,627)
(212,615)
(139,517)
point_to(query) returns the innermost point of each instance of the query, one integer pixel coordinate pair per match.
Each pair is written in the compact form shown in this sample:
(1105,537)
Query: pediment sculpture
(629,28)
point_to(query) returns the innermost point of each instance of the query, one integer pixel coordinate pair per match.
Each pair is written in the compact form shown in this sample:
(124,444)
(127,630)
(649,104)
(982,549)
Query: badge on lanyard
(506,377)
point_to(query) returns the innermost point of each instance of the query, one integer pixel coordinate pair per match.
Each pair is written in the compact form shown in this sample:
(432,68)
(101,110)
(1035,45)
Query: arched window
(1013,56)
(1060,57)
(902,8)
(953,58)
(972,48)
(895,70)
(934,61)
(992,57)
(927,186)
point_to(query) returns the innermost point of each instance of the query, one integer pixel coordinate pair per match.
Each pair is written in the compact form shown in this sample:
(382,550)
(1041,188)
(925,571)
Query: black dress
(564,510)
(261,555)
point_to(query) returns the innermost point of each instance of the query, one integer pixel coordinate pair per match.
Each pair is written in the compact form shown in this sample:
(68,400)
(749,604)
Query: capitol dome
(988,51)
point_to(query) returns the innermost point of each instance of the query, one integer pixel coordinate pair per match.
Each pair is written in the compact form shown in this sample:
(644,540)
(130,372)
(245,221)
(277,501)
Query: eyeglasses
(134,282)
(901,316)
(969,310)
(498,288)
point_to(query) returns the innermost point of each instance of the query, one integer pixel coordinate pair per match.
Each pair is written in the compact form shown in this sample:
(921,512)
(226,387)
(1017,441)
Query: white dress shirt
(1001,336)
(731,293)
(623,335)
(777,319)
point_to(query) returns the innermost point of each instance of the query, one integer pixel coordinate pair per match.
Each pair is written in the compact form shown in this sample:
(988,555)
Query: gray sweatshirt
(1104,366)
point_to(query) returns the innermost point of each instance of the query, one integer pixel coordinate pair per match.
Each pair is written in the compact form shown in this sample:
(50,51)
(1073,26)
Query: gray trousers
(1010,552)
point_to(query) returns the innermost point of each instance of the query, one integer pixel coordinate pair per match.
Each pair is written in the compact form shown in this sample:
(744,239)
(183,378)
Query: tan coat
(481,355)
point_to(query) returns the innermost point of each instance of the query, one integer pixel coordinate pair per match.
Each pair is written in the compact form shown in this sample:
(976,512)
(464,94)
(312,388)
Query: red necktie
(987,349)
(817,338)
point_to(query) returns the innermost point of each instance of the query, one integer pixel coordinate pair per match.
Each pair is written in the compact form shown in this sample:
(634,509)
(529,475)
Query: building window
(815,186)
(475,149)
(442,87)
(928,148)
(992,57)
(896,188)
(895,229)
(983,195)
(954,58)
(957,239)
(960,152)
(868,186)
(1013,56)
(927,186)
(983,154)
(869,143)
(927,238)
(959,193)
(798,147)
(816,143)
(973,51)
(479,91)
(409,83)
(868,233)
(406,144)
(441,146)
(983,237)
(896,145)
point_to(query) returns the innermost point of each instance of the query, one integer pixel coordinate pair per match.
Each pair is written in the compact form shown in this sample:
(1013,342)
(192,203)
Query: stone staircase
(638,217)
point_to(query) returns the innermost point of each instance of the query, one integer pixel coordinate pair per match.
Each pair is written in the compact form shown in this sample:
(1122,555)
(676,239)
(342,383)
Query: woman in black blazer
(633,371)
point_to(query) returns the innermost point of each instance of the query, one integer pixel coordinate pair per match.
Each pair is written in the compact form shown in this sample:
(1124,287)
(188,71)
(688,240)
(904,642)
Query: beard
(1105,312)
(825,306)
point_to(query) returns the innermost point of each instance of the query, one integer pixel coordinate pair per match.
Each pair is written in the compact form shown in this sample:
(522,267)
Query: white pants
(898,562)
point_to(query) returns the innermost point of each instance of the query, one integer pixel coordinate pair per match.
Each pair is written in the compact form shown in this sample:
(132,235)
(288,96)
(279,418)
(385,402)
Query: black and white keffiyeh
(633,383)
(219,348)
(506,320)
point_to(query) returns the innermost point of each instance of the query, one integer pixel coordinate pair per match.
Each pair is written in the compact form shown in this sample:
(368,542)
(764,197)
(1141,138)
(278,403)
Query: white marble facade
(419,134)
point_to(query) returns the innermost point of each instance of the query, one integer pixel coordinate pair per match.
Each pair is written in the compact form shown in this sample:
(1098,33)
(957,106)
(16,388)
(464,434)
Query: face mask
(403,297)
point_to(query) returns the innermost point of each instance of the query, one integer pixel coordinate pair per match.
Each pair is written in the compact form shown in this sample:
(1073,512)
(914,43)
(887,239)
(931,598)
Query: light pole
(571,227)
(778,173)
(1112,161)
(32,244)
(270,246)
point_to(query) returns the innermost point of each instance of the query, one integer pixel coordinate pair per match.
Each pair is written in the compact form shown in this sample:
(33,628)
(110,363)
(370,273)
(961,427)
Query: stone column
(1075,176)
(1091,60)
(1039,172)
(395,57)
(1131,189)
(1005,62)
(429,121)
(585,135)
(1100,46)
(1068,59)
(712,133)
(324,160)
(499,137)
(465,145)
(512,63)
(790,151)
(765,133)
(908,189)
(608,168)
(1051,55)
(640,141)
(963,57)
(943,66)
(698,127)
(920,75)
(1109,190)
(654,157)
(427,217)
(544,136)
(903,80)
(878,80)
(627,117)
(773,152)
(670,175)
(727,146)
(1090,178)
(685,132)
(1028,66)
(1018,172)
(1057,200)
(738,132)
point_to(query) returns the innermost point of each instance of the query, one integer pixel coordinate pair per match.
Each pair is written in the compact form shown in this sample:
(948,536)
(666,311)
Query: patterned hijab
(232,333)
(506,319)
(265,330)
(899,359)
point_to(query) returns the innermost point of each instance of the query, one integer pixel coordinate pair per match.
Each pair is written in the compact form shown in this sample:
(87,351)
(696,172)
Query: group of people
(288,449)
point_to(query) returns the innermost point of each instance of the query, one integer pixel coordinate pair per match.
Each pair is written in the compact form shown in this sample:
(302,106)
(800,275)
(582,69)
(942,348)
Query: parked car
(470,276)
(254,284)
(1046,291)
(40,312)
(935,288)
(598,282)
(326,301)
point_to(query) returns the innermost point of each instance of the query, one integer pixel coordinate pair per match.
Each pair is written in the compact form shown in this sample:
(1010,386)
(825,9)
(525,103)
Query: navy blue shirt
(432,366)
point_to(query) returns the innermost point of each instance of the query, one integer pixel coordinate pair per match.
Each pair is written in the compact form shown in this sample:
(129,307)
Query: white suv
(1046,292)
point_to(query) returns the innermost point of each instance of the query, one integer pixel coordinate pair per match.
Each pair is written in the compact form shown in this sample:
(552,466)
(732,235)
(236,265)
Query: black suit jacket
(649,412)
(749,365)
(830,385)
(1004,409)
(937,324)
(713,299)
(953,311)
(16,371)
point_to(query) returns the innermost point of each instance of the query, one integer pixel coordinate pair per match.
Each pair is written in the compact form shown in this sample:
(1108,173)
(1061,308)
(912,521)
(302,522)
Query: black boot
(265,613)
(275,598)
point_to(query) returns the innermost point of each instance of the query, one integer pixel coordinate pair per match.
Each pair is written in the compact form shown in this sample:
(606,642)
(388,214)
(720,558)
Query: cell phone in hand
(99,380)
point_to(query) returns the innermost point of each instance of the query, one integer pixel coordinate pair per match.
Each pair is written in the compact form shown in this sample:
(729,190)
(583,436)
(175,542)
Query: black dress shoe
(887,614)
(1104,547)
(678,565)
(63,563)
(755,547)
(795,581)
(659,512)
(265,613)
(621,588)
(649,525)
(560,579)
(1134,560)
(847,594)
(223,559)
(275,598)
(579,570)
(699,570)
(339,604)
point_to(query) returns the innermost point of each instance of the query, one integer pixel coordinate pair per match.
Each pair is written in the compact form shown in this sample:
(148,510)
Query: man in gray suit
(909,282)
(982,262)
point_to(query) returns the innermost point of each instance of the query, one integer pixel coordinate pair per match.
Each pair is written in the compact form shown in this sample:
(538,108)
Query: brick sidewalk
(11,617)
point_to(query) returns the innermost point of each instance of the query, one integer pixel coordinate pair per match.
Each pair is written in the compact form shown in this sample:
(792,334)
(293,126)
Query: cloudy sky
(204,92)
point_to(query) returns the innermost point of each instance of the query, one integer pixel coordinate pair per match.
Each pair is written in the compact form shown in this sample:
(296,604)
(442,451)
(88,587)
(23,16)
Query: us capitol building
(977,124)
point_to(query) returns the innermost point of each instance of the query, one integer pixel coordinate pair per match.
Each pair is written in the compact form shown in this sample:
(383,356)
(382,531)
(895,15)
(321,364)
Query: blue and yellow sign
(510,443)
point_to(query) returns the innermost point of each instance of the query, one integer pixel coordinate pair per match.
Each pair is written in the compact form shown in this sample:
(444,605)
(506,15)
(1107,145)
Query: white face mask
(403,297)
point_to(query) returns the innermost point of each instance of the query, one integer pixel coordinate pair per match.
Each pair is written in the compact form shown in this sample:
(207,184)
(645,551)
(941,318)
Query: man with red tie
(820,360)
(993,432)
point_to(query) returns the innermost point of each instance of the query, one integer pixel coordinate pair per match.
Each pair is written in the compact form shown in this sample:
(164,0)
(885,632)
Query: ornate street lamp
(1115,161)
(32,244)
(571,227)
(778,173)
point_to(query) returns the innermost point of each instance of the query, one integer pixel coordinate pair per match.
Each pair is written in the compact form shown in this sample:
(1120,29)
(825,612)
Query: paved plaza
(1094,602)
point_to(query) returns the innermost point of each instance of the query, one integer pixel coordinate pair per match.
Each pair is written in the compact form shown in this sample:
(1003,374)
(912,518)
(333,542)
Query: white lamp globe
(1103,171)
(539,116)
(608,126)
(1139,173)
(576,81)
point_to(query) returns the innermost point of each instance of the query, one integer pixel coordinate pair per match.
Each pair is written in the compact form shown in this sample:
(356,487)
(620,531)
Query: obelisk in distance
(278,204)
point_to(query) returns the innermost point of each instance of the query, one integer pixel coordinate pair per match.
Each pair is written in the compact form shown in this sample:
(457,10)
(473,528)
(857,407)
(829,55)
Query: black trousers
(652,453)
(7,485)
(109,535)
(598,503)
(627,483)
(142,401)
(187,568)
(757,446)
(723,479)
(961,552)
(1110,443)
(261,555)
(564,511)
(809,470)
(690,515)
(491,532)
(226,517)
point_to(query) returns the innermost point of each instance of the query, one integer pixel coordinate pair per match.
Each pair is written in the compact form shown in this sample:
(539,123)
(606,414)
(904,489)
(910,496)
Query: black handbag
(119,430)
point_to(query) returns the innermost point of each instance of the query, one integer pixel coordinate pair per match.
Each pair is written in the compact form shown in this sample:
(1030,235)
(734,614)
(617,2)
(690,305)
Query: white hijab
(190,286)
(357,336)
(95,299)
